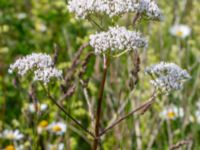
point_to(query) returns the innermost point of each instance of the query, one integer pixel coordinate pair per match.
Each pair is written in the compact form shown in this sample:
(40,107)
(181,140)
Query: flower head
(180,31)
(171,112)
(167,76)
(11,135)
(40,64)
(58,128)
(46,74)
(150,8)
(21,16)
(43,125)
(117,38)
(82,8)
(31,62)
(37,107)
(12,147)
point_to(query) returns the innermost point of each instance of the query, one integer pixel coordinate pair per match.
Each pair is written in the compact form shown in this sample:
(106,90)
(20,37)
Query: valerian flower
(117,38)
(172,112)
(40,64)
(150,8)
(180,31)
(82,8)
(167,76)
(45,75)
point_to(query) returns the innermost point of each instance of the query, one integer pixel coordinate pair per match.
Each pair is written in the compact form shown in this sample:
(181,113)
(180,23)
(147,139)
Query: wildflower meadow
(99,75)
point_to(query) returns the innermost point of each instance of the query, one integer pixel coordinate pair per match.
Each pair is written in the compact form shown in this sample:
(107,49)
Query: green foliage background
(19,37)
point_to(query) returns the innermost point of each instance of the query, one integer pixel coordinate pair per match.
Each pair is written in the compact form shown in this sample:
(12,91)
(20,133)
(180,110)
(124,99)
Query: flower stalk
(100,100)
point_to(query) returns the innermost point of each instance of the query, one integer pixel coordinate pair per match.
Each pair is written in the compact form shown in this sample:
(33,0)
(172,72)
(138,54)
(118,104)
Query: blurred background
(28,26)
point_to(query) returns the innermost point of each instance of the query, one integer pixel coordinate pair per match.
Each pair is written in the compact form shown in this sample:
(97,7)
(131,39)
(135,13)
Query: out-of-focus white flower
(59,146)
(42,126)
(172,112)
(46,74)
(167,76)
(82,8)
(197,112)
(58,128)
(180,30)
(40,64)
(11,135)
(41,27)
(198,104)
(197,115)
(117,38)
(37,107)
(30,62)
(21,16)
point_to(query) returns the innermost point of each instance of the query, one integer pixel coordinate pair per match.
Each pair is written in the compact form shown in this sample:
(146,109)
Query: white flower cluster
(41,64)
(117,38)
(47,74)
(167,76)
(150,8)
(82,8)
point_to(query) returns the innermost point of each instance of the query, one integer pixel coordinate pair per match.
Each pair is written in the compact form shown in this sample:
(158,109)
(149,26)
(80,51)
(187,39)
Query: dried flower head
(167,76)
(117,38)
(171,112)
(82,8)
(38,63)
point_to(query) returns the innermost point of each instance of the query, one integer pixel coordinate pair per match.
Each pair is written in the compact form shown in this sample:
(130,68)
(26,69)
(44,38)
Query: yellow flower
(171,115)
(43,124)
(56,128)
(179,33)
(10,147)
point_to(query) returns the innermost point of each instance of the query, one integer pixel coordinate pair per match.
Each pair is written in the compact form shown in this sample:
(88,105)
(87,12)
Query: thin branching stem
(66,113)
(141,107)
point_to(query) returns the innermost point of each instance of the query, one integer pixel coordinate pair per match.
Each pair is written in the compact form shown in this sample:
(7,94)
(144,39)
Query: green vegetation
(32,26)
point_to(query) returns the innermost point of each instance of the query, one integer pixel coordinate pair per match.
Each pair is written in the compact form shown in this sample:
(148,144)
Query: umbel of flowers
(117,38)
(40,64)
(167,76)
(83,8)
